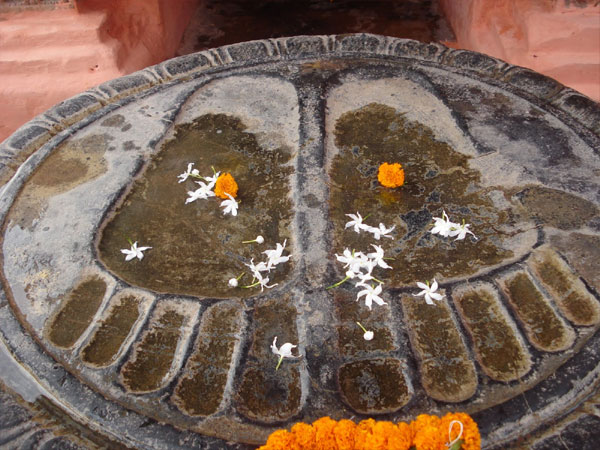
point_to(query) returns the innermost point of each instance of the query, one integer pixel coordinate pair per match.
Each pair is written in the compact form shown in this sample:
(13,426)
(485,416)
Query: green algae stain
(154,355)
(106,342)
(269,396)
(195,248)
(437,178)
(77,312)
(544,328)
(374,386)
(570,294)
(498,349)
(447,374)
(200,390)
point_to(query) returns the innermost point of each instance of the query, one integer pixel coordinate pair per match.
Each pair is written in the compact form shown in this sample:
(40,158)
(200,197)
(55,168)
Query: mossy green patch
(374,386)
(154,354)
(76,312)
(545,330)
(268,395)
(106,342)
(447,374)
(196,249)
(199,391)
(570,294)
(499,351)
(437,177)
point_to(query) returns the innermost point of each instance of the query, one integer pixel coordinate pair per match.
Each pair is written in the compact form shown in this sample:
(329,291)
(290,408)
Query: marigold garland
(391,175)
(226,185)
(424,433)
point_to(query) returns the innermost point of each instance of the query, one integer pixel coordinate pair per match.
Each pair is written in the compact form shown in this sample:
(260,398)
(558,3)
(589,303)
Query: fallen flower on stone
(285,351)
(429,292)
(275,256)
(203,192)
(256,269)
(381,231)
(224,185)
(368,334)
(356,222)
(391,175)
(442,225)
(378,257)
(189,172)
(354,261)
(259,240)
(461,231)
(233,282)
(371,295)
(134,252)
(230,206)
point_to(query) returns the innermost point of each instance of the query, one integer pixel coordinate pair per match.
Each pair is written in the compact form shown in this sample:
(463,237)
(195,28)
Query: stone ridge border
(64,119)
(539,89)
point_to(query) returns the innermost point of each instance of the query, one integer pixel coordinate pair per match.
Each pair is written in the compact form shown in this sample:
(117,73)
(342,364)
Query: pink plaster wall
(558,38)
(47,56)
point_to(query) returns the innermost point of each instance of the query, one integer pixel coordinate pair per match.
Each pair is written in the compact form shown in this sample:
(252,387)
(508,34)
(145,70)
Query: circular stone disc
(160,352)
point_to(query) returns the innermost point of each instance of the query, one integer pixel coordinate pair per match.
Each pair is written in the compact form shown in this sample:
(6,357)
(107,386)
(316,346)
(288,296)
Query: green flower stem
(129,240)
(252,285)
(279,362)
(338,283)
(457,445)
(361,327)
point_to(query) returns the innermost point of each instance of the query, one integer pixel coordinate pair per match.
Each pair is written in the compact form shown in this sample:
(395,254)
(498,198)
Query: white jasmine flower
(442,225)
(233,282)
(259,240)
(274,256)
(256,269)
(461,231)
(381,231)
(356,222)
(230,205)
(368,334)
(285,351)
(263,284)
(372,294)
(134,252)
(429,292)
(353,260)
(189,172)
(377,257)
(211,180)
(364,278)
(204,191)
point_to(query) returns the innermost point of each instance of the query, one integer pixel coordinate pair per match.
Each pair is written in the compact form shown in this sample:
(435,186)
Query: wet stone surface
(161,352)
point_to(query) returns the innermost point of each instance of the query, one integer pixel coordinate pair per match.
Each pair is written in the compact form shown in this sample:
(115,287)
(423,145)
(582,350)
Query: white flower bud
(260,239)
(368,335)
(233,282)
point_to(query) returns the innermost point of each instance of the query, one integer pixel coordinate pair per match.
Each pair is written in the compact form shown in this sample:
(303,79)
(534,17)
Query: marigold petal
(391,175)
(344,434)
(226,185)
(304,435)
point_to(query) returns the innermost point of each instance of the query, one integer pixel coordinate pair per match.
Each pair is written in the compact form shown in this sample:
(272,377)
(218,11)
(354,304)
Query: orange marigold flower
(324,437)
(344,434)
(304,435)
(280,440)
(391,175)
(470,437)
(428,433)
(226,185)
(381,432)
(363,430)
(401,437)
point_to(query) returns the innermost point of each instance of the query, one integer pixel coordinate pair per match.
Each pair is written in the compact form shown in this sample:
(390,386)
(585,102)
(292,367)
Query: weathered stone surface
(545,329)
(163,353)
(498,347)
